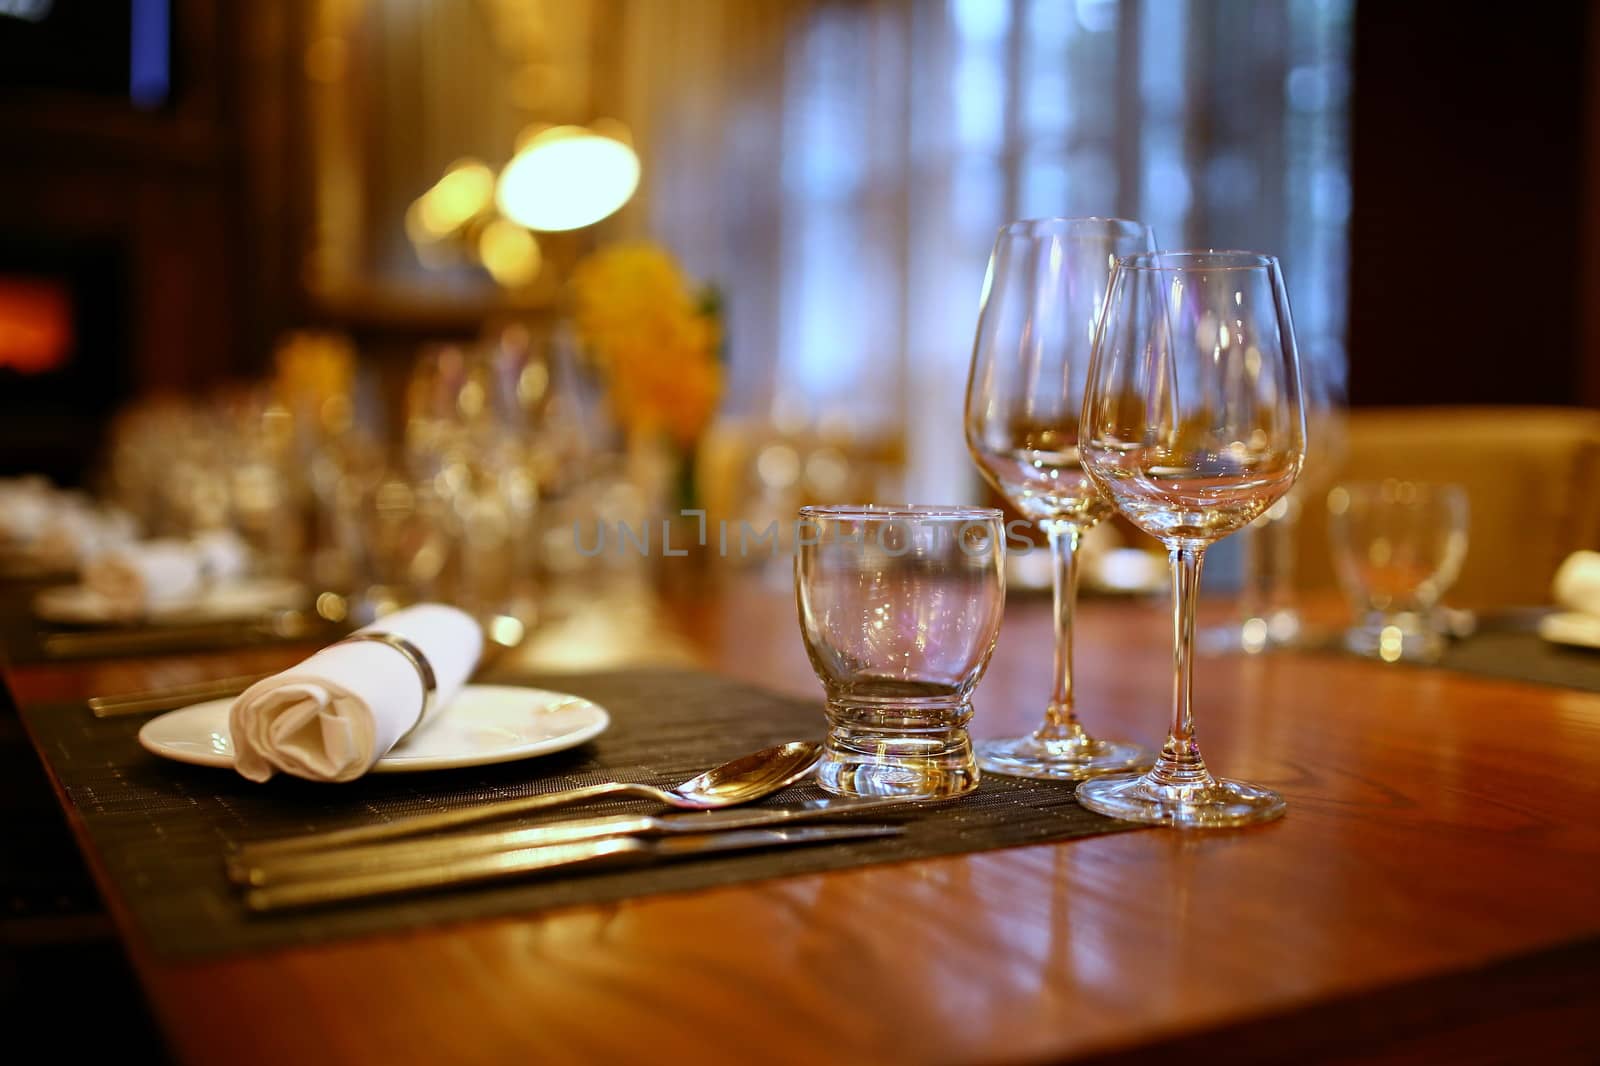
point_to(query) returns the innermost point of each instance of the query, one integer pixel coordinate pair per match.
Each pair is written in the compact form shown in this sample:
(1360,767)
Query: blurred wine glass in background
(1269,598)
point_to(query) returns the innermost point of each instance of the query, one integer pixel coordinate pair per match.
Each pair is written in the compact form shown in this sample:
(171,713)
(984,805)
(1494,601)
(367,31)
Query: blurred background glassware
(404,544)
(267,490)
(1398,546)
(900,608)
(222,463)
(1268,596)
(471,462)
(1041,303)
(1194,427)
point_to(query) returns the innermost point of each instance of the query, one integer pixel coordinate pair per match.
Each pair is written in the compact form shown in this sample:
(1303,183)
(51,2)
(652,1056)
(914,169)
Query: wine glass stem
(1179,762)
(1061,721)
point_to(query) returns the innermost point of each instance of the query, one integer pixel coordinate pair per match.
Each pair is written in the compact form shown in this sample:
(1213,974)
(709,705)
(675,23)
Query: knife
(259,871)
(608,851)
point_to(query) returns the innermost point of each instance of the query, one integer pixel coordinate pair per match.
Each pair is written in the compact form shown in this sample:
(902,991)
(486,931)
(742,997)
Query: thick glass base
(911,765)
(1212,803)
(1058,760)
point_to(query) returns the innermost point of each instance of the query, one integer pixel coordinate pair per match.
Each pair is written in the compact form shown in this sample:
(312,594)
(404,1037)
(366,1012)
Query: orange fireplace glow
(36,335)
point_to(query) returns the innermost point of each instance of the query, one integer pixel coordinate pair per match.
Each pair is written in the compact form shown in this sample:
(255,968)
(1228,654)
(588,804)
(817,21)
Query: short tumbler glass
(1398,547)
(900,608)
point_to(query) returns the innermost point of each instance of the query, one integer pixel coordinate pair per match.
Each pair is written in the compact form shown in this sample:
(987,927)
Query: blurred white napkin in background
(1577,589)
(134,577)
(332,717)
(25,506)
(1577,584)
(74,535)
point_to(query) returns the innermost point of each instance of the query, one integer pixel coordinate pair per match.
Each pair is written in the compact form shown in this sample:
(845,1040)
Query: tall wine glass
(1269,608)
(1041,301)
(1194,425)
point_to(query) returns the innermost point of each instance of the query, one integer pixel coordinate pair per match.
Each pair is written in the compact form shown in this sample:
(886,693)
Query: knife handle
(264,870)
(296,894)
(427,823)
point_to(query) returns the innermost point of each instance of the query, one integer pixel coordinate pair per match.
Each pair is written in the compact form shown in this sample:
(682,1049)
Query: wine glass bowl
(1041,301)
(1042,476)
(1194,429)
(1193,426)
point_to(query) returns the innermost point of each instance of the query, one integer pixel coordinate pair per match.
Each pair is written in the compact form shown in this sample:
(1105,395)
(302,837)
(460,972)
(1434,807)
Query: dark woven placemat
(1517,654)
(161,828)
(1505,646)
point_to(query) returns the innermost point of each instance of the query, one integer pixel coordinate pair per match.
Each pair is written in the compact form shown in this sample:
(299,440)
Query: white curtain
(840,169)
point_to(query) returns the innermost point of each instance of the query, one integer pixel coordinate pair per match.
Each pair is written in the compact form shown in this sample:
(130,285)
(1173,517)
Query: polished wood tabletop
(1434,890)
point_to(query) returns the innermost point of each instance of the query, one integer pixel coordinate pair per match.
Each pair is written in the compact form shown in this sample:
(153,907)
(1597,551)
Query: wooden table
(1434,891)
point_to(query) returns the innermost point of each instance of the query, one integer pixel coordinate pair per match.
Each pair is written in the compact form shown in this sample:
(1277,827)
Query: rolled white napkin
(334,715)
(1577,583)
(134,577)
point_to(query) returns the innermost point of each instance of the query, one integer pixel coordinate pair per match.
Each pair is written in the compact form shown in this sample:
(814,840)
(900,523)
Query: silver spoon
(744,780)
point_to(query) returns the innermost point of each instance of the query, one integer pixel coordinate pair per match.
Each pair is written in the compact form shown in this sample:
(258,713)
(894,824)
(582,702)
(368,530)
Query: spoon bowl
(747,778)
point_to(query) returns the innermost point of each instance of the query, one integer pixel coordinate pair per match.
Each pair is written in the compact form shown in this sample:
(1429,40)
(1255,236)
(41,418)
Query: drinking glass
(900,608)
(1269,611)
(1041,301)
(1397,547)
(1194,426)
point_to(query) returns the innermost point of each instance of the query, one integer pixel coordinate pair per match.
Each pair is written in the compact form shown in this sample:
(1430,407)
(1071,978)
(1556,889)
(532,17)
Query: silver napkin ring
(418,661)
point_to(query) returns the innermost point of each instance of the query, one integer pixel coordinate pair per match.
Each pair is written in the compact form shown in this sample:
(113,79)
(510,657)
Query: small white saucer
(230,601)
(484,724)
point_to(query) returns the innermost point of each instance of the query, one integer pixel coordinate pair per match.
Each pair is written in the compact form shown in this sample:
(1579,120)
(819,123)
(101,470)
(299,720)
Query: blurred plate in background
(230,601)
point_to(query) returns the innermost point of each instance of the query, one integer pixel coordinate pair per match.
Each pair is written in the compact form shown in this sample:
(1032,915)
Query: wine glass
(1269,612)
(1041,301)
(1194,426)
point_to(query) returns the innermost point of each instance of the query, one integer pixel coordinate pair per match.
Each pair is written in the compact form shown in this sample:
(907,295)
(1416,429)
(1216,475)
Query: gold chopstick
(162,699)
(156,639)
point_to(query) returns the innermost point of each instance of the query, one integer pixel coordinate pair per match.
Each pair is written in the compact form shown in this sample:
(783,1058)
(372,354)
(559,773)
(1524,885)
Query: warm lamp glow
(509,253)
(567,177)
(465,191)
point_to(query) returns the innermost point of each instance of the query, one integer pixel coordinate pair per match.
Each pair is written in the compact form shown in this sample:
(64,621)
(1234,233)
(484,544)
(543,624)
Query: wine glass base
(1219,803)
(1063,760)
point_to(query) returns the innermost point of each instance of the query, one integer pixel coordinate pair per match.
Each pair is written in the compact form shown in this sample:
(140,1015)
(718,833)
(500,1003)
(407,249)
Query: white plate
(229,601)
(1572,628)
(484,724)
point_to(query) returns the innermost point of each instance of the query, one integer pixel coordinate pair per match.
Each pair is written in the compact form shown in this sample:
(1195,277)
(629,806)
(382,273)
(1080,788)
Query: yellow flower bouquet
(657,342)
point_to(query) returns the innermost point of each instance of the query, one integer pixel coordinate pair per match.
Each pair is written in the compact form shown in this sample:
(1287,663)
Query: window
(907,133)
